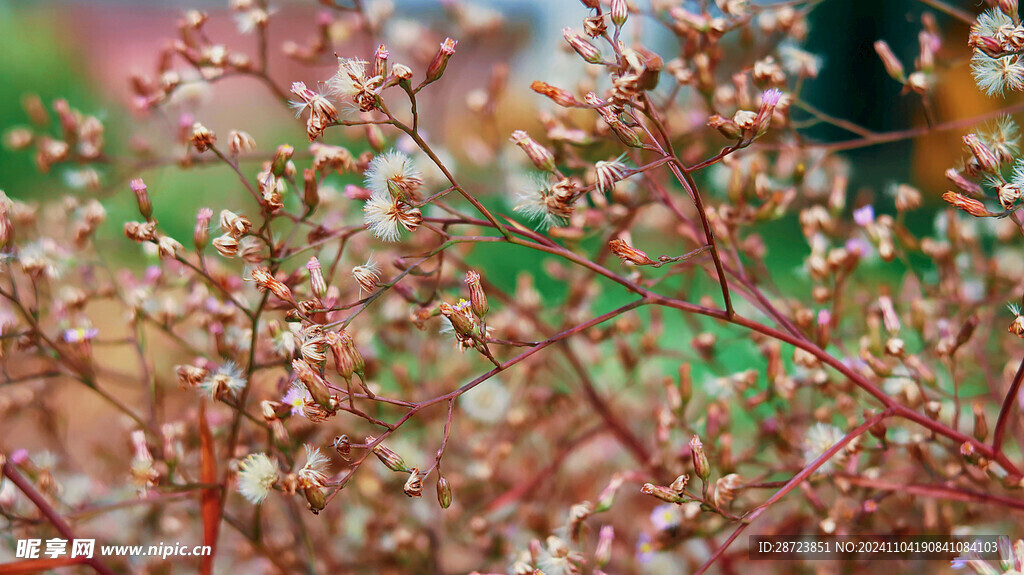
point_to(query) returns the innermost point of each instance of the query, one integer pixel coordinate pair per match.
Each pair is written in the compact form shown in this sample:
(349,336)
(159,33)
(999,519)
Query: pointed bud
(202,138)
(538,154)
(620,11)
(477,297)
(987,160)
(437,66)
(582,46)
(980,424)
(628,254)
(310,189)
(389,458)
(142,198)
(201,234)
(969,205)
(281,157)
(700,459)
(444,492)
(893,67)
(315,498)
(316,278)
(314,382)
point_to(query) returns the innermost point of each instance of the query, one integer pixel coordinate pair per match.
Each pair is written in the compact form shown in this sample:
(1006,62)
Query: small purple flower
(79,334)
(644,549)
(858,246)
(824,317)
(665,517)
(771,97)
(296,398)
(864,216)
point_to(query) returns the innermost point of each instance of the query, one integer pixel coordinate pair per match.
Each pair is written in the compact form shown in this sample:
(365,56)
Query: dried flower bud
(893,67)
(1016,327)
(402,72)
(477,297)
(980,424)
(583,47)
(140,231)
(414,485)
(603,552)
(234,224)
(700,459)
(538,154)
(1009,195)
(726,127)
(628,254)
(226,245)
(907,198)
(969,205)
(380,61)
(986,158)
(202,138)
(201,234)
(314,382)
(444,492)
(965,185)
(665,494)
(316,278)
(344,447)
(283,154)
(169,247)
(437,66)
(389,458)
(266,281)
(240,142)
(460,318)
(142,198)
(310,190)
(315,498)
(725,489)
(560,96)
(679,484)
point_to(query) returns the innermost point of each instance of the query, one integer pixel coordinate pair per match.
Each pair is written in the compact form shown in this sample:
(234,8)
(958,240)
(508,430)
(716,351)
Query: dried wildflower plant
(244,375)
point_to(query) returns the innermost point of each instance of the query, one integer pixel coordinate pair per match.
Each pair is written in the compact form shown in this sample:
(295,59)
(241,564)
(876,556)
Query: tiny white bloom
(314,472)
(257,475)
(226,380)
(819,439)
(392,173)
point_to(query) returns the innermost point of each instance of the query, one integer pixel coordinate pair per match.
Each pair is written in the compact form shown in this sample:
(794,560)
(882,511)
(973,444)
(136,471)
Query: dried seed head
(190,375)
(266,281)
(234,224)
(908,198)
(367,276)
(168,247)
(202,138)
(240,142)
(226,245)
(665,494)
(414,485)
(1009,195)
(344,447)
(140,231)
(725,489)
